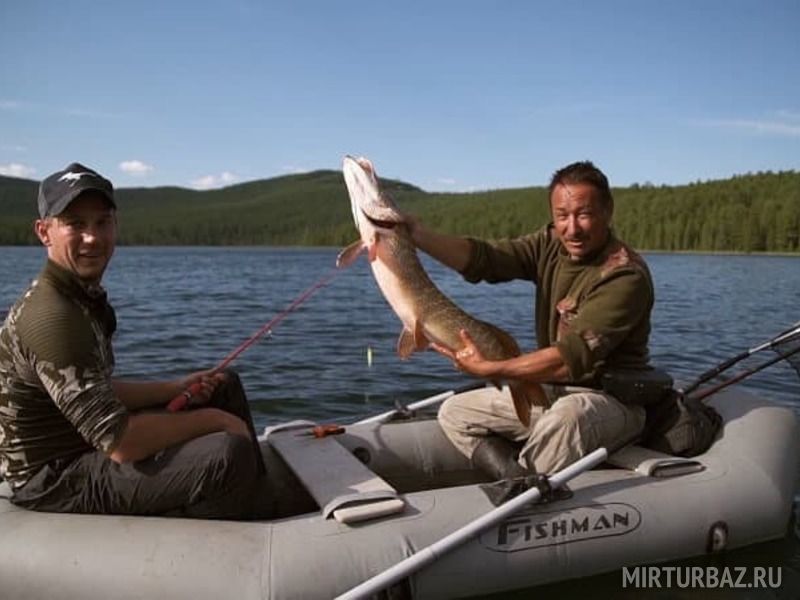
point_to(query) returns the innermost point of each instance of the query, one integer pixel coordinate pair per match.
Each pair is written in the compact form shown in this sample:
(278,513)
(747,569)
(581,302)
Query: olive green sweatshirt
(56,399)
(596,311)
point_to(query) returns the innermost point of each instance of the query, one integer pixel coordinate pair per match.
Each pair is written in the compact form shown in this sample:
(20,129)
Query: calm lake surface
(183,309)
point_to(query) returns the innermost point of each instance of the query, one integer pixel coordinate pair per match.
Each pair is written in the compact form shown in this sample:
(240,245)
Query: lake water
(182,309)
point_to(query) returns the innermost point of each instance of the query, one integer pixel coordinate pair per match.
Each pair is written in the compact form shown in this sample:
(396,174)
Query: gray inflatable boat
(388,489)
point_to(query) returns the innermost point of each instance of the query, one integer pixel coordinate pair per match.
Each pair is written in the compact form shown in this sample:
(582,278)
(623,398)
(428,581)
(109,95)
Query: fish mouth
(366,200)
(379,223)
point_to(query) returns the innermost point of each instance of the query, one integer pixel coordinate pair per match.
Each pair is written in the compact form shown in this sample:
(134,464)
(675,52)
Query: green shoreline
(746,214)
(337,248)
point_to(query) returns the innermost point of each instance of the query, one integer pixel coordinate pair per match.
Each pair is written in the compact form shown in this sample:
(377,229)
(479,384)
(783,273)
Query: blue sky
(450,96)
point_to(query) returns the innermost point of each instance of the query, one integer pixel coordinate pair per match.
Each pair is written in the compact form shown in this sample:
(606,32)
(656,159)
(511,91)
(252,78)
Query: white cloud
(788,114)
(783,123)
(446,181)
(17,170)
(579,107)
(135,167)
(294,169)
(89,113)
(208,182)
(768,127)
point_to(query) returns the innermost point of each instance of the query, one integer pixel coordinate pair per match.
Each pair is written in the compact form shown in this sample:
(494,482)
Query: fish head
(372,208)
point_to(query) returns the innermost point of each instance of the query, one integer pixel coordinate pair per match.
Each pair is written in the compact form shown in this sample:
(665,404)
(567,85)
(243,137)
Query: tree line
(748,213)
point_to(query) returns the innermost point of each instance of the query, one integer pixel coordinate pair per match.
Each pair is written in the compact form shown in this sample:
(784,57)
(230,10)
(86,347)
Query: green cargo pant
(578,421)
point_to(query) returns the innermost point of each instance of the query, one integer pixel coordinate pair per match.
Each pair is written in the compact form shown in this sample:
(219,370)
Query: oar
(431,553)
(424,403)
(789,334)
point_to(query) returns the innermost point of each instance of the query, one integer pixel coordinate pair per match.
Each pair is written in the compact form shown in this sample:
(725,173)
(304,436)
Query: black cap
(62,187)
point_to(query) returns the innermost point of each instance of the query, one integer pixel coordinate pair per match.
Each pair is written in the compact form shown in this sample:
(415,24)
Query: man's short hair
(584,172)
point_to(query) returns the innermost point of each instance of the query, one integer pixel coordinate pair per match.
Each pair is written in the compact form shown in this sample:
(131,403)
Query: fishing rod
(781,338)
(744,374)
(182,400)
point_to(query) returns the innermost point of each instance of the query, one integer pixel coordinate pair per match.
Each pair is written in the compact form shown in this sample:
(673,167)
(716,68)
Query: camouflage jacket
(56,399)
(596,311)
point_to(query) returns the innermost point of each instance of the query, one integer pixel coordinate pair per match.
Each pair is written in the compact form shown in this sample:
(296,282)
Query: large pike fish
(426,313)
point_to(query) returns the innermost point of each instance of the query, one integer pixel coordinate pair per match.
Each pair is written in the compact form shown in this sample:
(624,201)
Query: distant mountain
(750,213)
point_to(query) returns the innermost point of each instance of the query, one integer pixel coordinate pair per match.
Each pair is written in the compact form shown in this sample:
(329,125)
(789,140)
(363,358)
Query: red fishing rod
(182,400)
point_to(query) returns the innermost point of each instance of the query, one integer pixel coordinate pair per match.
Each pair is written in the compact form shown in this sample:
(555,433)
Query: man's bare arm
(148,433)
(450,250)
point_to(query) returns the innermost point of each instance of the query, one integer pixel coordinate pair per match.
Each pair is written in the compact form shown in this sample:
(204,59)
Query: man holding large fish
(593,301)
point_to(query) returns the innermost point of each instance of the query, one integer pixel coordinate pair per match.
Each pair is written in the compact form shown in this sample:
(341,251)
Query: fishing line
(182,400)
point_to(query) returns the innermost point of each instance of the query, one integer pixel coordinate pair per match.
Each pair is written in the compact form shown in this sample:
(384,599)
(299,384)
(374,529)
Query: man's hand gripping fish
(428,315)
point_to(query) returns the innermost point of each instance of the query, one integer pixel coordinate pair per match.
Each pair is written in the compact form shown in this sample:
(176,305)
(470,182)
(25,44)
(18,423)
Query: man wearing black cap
(72,438)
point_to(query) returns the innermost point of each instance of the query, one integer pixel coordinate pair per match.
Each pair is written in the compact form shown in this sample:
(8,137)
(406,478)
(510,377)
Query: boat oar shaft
(419,404)
(431,553)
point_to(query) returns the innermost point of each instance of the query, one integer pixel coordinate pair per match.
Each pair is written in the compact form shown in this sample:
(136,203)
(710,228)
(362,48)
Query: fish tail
(527,394)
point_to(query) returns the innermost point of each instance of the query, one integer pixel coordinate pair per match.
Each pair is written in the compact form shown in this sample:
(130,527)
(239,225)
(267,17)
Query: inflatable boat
(389,487)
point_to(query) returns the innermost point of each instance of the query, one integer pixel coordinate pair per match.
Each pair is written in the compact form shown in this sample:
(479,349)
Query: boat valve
(717,537)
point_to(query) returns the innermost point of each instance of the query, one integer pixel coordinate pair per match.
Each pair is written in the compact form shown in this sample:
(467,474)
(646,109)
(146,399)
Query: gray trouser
(578,421)
(219,475)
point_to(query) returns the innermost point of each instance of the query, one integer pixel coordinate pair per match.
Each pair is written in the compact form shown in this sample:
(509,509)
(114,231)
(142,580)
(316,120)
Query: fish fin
(412,341)
(405,344)
(372,248)
(525,395)
(420,339)
(349,254)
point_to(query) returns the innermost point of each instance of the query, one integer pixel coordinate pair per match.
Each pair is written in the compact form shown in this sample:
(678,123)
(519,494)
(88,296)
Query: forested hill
(748,213)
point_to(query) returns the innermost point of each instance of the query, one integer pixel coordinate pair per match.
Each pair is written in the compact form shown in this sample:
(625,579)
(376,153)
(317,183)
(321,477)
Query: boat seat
(342,485)
(652,463)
